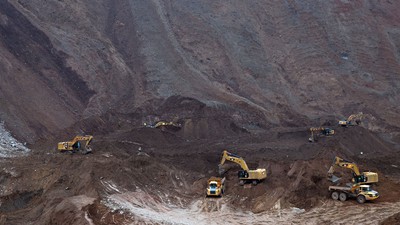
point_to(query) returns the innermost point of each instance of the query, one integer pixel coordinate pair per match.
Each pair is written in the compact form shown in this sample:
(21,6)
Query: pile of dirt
(395,219)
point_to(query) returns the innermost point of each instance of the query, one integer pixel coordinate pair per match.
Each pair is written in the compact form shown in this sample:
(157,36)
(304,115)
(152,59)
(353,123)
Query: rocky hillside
(250,77)
(74,64)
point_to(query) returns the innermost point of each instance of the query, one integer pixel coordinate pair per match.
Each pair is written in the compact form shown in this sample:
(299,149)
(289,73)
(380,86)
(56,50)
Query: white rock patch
(9,146)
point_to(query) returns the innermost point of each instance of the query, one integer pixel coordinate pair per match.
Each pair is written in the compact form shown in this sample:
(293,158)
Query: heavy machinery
(245,174)
(78,144)
(215,186)
(318,131)
(353,120)
(358,178)
(164,124)
(361,192)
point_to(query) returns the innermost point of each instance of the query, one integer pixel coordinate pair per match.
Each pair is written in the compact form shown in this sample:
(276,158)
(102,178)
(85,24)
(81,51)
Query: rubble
(9,146)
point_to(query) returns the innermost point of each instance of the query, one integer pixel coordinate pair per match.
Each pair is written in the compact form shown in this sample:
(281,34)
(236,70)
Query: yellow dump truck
(362,193)
(215,186)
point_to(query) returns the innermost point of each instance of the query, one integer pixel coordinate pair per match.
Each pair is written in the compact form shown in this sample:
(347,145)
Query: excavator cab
(243,174)
(359,179)
(327,131)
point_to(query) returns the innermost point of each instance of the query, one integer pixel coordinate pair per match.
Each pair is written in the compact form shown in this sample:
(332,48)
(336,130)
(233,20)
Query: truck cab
(367,192)
(215,186)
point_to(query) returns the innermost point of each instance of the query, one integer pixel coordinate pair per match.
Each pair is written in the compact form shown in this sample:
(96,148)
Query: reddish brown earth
(247,76)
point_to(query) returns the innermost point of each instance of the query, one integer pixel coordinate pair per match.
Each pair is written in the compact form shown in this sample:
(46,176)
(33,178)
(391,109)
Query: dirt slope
(290,61)
(132,180)
(248,76)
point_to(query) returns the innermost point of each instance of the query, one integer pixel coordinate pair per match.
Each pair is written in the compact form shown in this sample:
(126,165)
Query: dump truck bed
(219,180)
(335,188)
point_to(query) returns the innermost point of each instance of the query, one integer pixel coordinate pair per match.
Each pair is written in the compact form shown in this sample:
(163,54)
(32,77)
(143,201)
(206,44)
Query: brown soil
(168,169)
(249,77)
(395,219)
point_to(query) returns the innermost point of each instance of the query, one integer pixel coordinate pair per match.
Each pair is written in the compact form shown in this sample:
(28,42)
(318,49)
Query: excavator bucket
(334,179)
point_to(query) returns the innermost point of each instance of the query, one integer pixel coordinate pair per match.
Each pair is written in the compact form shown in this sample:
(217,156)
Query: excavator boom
(233,158)
(345,164)
(173,126)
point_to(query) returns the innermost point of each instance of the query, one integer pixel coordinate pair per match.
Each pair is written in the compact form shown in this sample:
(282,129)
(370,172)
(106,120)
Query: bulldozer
(245,175)
(358,177)
(318,131)
(78,144)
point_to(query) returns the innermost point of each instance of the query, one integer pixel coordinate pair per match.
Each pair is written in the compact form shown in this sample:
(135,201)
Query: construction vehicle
(215,186)
(78,144)
(245,175)
(318,131)
(362,193)
(164,124)
(353,120)
(358,178)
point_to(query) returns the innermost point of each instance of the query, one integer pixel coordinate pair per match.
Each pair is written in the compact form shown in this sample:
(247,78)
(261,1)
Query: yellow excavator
(317,131)
(245,175)
(164,124)
(358,178)
(78,144)
(353,120)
